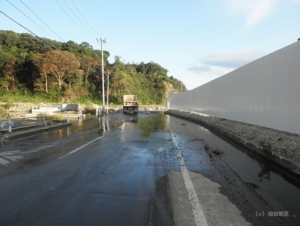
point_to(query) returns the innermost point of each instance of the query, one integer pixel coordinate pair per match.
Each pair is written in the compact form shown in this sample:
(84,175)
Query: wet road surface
(149,169)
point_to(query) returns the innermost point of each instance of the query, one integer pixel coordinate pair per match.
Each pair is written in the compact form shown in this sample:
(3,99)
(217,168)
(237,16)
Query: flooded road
(100,171)
(277,188)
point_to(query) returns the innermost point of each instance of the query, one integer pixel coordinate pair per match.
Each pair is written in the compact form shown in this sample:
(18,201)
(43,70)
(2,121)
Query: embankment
(278,147)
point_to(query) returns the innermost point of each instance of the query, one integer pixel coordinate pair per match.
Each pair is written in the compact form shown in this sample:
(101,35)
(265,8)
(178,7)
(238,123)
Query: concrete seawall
(278,147)
(264,92)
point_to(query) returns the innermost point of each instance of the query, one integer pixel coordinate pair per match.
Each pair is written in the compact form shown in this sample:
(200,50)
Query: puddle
(151,124)
(254,171)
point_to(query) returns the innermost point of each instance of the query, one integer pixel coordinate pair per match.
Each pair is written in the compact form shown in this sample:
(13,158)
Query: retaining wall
(265,92)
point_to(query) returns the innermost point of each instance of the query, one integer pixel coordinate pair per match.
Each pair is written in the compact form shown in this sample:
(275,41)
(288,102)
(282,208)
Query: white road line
(42,148)
(197,210)
(14,158)
(77,149)
(4,162)
(10,152)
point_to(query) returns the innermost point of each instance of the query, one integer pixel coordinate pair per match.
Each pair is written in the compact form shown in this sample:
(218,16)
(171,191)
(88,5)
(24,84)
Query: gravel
(279,147)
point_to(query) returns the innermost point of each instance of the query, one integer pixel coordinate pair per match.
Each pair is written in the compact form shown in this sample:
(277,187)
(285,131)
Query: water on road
(128,169)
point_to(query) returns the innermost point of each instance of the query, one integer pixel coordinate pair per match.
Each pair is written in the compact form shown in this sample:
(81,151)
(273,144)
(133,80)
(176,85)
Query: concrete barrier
(45,110)
(265,92)
(71,107)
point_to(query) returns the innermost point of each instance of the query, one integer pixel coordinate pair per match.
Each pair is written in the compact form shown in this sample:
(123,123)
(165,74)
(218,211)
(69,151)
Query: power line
(39,38)
(29,18)
(77,17)
(84,18)
(18,23)
(42,21)
(71,18)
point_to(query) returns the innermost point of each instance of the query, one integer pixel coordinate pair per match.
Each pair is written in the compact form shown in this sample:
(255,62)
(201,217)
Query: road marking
(197,210)
(14,158)
(4,162)
(42,148)
(77,149)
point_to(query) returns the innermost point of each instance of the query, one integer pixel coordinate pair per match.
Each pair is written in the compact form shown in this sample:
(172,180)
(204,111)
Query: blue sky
(195,40)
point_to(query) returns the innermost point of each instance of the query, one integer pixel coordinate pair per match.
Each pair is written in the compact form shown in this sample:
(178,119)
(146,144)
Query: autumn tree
(9,76)
(61,64)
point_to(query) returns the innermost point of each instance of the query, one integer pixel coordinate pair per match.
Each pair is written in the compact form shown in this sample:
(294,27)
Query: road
(149,169)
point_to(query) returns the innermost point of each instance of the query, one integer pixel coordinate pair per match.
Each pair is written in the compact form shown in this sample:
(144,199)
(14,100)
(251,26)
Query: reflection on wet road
(123,170)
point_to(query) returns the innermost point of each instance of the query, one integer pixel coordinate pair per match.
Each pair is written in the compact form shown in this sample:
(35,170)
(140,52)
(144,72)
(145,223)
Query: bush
(89,105)
(2,112)
(41,115)
(58,117)
(8,105)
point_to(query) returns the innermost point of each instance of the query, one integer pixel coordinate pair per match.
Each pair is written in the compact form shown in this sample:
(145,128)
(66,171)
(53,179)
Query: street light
(103,94)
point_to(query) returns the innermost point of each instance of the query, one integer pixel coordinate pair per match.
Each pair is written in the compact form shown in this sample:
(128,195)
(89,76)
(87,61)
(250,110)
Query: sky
(195,40)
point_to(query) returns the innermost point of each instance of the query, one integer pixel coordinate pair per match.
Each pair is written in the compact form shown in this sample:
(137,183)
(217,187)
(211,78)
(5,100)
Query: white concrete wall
(70,107)
(47,110)
(264,92)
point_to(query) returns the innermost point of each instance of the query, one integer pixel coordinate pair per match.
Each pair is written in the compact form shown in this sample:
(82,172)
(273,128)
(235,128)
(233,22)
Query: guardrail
(7,126)
(35,125)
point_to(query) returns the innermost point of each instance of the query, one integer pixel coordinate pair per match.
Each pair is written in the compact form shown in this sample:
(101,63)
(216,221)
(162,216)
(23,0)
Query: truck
(130,104)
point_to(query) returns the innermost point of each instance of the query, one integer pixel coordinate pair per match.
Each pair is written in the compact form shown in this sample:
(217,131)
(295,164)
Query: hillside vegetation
(38,69)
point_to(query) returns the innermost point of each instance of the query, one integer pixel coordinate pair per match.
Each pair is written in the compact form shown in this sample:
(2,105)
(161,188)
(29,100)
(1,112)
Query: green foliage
(59,117)
(8,105)
(54,96)
(34,82)
(2,112)
(89,105)
(42,115)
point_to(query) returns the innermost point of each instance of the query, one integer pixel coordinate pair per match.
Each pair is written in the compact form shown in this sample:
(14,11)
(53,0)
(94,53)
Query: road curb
(277,160)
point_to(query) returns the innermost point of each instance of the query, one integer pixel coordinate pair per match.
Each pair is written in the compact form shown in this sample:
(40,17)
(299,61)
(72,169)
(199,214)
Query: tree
(71,46)
(36,66)
(76,77)
(86,45)
(41,62)
(9,80)
(88,64)
(4,57)
(61,64)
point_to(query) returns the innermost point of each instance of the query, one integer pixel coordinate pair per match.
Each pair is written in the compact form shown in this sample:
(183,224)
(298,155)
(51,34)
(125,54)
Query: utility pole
(107,90)
(181,87)
(102,64)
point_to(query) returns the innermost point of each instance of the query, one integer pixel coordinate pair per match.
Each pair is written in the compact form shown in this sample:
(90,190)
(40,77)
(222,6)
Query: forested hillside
(71,72)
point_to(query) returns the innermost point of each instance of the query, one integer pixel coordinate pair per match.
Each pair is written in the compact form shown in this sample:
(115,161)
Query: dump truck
(130,104)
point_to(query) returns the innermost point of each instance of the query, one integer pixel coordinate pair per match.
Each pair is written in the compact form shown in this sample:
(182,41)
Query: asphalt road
(149,169)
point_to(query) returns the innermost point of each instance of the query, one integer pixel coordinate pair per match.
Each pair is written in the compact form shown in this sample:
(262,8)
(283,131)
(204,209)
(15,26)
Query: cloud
(253,10)
(230,60)
(219,64)
(209,71)
(200,69)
